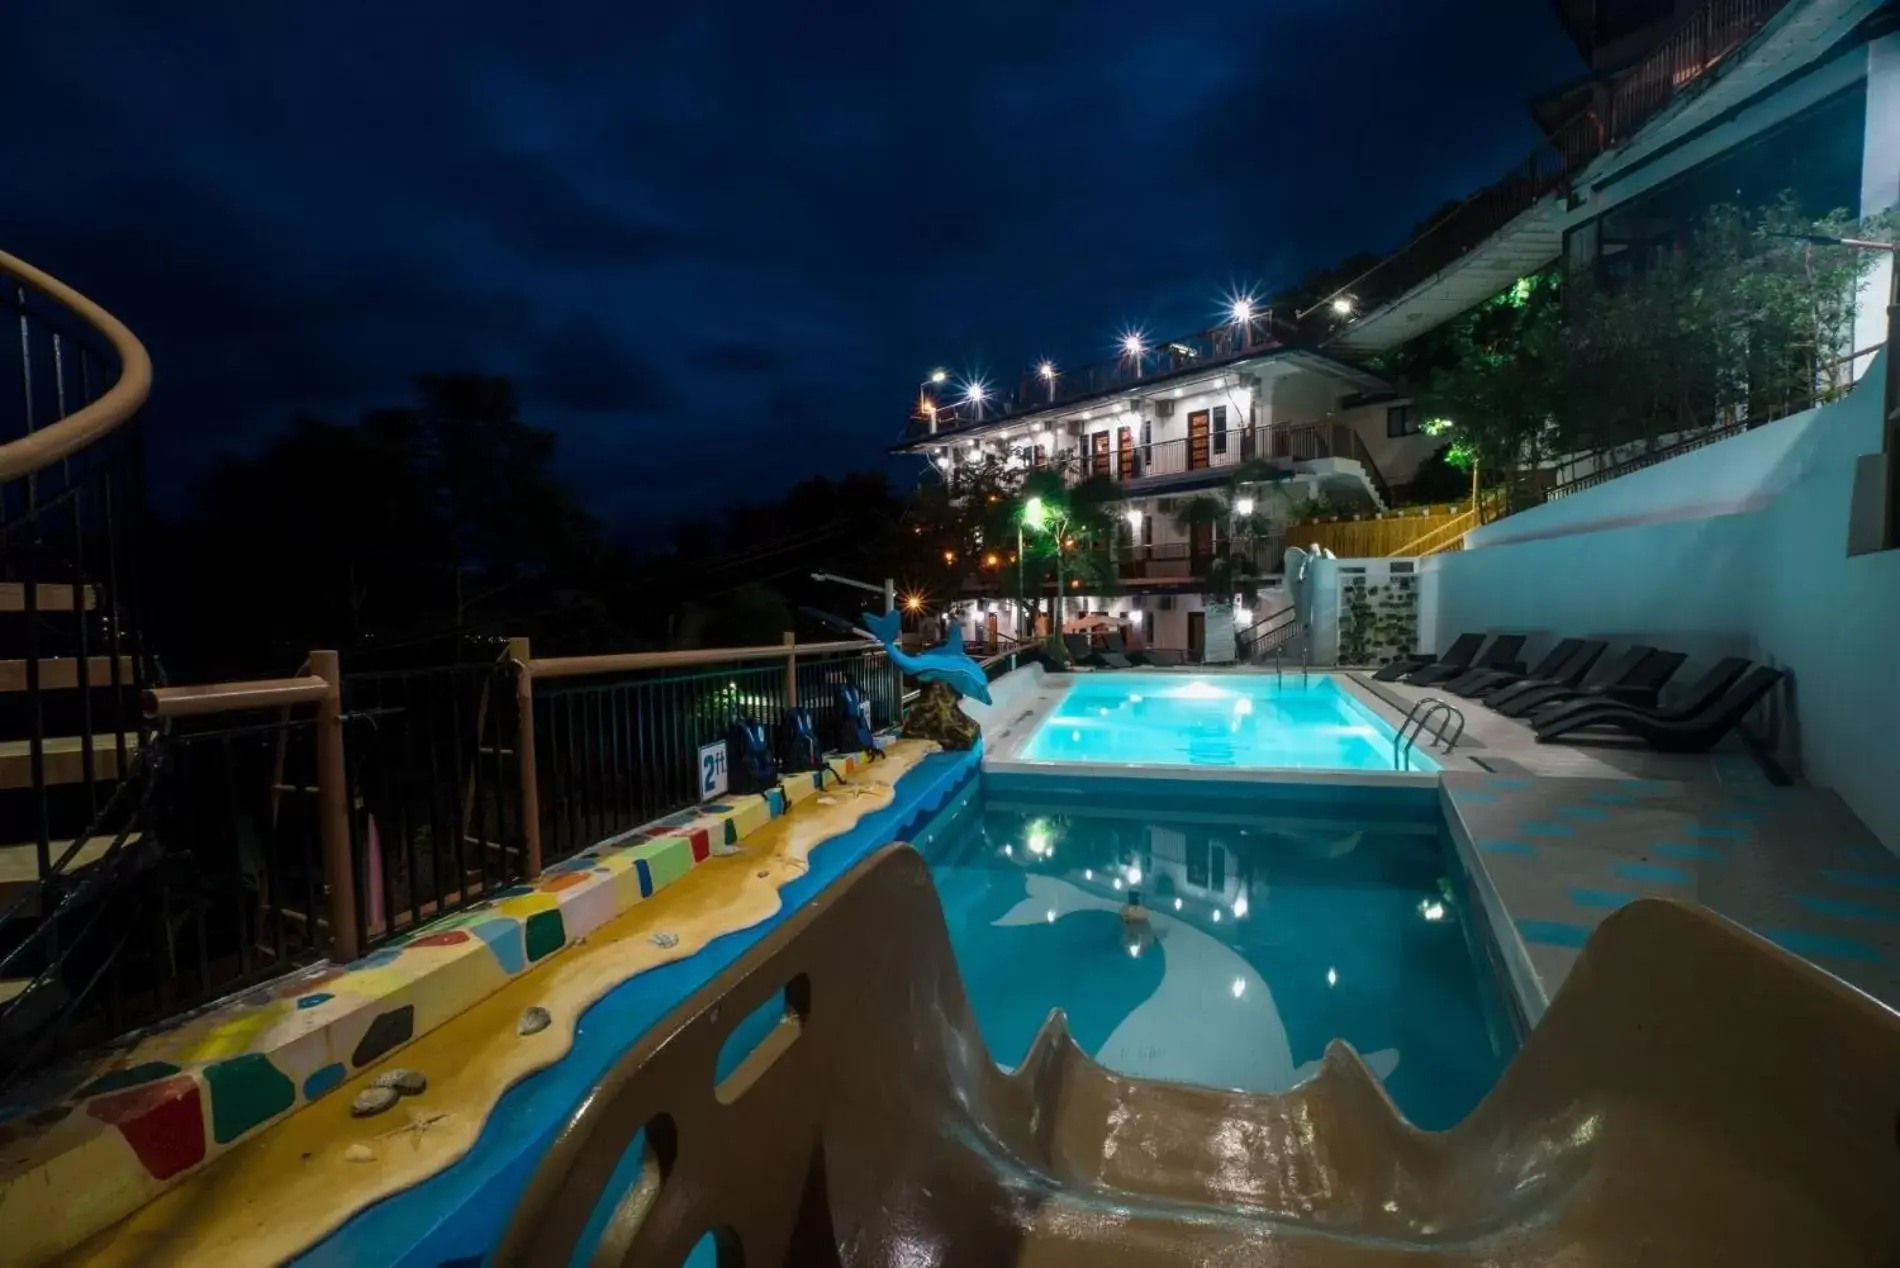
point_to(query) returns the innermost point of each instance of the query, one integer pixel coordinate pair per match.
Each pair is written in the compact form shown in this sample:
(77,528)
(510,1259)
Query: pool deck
(1557,836)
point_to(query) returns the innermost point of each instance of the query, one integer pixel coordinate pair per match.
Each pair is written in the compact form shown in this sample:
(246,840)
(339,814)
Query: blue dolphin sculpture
(948,663)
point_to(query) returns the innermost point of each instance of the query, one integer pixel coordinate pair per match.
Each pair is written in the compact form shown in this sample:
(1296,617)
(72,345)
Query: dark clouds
(717,244)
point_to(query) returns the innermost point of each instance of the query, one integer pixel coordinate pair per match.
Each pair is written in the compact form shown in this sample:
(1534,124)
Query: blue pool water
(1278,919)
(1249,720)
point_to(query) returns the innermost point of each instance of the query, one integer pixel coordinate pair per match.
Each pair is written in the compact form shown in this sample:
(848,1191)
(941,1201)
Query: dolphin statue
(946,663)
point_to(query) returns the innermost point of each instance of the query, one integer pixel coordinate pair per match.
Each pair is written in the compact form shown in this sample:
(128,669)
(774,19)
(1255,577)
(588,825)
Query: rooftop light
(939,376)
(976,391)
(1132,344)
(1342,305)
(1047,370)
(1242,310)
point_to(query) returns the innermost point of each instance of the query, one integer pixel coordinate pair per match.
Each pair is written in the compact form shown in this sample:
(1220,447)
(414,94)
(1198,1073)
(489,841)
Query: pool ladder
(1306,654)
(1418,719)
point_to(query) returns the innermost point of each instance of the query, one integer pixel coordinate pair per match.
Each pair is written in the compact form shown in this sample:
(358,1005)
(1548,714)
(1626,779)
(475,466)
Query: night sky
(716,244)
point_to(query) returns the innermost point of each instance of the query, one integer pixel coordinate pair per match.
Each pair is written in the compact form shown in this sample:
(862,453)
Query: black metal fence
(436,808)
(616,752)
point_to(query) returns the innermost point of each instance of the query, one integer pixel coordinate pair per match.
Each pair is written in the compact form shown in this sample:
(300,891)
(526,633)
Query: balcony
(1265,331)
(1489,240)
(1183,462)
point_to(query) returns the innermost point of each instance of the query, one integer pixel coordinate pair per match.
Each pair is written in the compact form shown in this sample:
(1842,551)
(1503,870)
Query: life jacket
(803,752)
(749,760)
(854,726)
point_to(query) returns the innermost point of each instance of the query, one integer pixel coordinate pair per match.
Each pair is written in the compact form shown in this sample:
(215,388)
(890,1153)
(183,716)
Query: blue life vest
(802,749)
(749,760)
(854,730)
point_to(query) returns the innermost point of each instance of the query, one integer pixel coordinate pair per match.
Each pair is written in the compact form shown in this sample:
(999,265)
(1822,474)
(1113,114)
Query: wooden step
(52,596)
(65,759)
(59,673)
(20,864)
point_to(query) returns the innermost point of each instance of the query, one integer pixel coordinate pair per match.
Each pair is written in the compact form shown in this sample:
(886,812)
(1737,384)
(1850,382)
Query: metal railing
(1824,390)
(1416,720)
(1033,392)
(616,739)
(1216,453)
(1633,97)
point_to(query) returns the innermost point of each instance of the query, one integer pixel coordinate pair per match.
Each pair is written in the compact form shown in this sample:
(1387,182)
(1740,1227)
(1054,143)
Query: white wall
(1737,548)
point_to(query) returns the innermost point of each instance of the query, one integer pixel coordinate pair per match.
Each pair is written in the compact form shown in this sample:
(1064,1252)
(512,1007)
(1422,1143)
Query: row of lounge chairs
(1574,688)
(1114,653)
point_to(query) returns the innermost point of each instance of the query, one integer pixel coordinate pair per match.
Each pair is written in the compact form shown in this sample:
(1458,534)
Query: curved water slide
(1694,1095)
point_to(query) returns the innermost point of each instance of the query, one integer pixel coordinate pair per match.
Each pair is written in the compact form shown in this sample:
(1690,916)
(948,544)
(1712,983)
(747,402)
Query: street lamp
(888,589)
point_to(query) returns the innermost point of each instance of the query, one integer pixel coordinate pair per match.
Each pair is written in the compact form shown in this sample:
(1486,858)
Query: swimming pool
(1238,719)
(1277,918)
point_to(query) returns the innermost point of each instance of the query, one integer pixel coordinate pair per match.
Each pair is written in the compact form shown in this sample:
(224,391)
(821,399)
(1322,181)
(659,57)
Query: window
(1400,421)
(1220,429)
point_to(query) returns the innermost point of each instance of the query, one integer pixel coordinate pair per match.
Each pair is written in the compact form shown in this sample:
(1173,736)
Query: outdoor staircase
(75,751)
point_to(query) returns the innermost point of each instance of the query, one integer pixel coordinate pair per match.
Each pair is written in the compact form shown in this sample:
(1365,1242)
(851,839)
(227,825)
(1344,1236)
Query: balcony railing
(1217,451)
(1266,331)
(1631,99)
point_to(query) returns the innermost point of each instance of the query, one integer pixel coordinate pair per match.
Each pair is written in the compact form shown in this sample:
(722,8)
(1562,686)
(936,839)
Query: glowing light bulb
(1240,907)
(1332,977)
(1177,904)
(1239,987)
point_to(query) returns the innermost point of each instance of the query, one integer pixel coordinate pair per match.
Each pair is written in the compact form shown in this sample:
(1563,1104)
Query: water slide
(1694,1095)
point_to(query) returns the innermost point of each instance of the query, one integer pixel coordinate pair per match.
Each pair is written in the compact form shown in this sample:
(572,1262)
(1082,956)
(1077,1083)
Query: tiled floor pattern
(1793,864)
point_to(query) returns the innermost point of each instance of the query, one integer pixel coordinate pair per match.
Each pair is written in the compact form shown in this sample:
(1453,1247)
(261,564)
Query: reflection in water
(1226,951)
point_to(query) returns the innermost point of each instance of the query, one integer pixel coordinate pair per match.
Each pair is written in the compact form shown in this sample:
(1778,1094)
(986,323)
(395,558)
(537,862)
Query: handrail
(229,697)
(69,435)
(1463,524)
(626,662)
(1421,713)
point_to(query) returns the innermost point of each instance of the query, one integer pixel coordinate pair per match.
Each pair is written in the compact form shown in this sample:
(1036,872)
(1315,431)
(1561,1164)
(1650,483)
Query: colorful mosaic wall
(114,1134)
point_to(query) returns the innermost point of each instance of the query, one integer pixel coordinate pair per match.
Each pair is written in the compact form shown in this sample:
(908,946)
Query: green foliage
(1443,477)
(1738,320)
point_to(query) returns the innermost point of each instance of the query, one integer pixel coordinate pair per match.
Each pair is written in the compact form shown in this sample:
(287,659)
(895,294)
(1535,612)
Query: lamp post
(1039,515)
(888,589)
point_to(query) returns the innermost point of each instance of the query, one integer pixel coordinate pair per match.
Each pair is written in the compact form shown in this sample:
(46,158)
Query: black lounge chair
(1476,682)
(1462,649)
(1116,647)
(1641,679)
(1502,654)
(1703,693)
(1612,671)
(1696,734)
(1081,653)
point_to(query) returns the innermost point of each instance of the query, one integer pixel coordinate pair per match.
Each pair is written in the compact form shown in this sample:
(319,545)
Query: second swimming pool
(1271,920)
(1232,719)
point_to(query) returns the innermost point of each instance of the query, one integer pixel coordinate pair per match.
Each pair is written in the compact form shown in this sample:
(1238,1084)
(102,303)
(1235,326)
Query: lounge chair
(1639,682)
(1696,734)
(1642,687)
(1502,654)
(1611,671)
(1081,653)
(1705,691)
(1462,649)
(1476,682)
(1112,641)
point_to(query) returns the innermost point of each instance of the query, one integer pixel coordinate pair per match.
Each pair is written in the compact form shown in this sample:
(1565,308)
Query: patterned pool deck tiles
(121,1129)
(1793,864)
